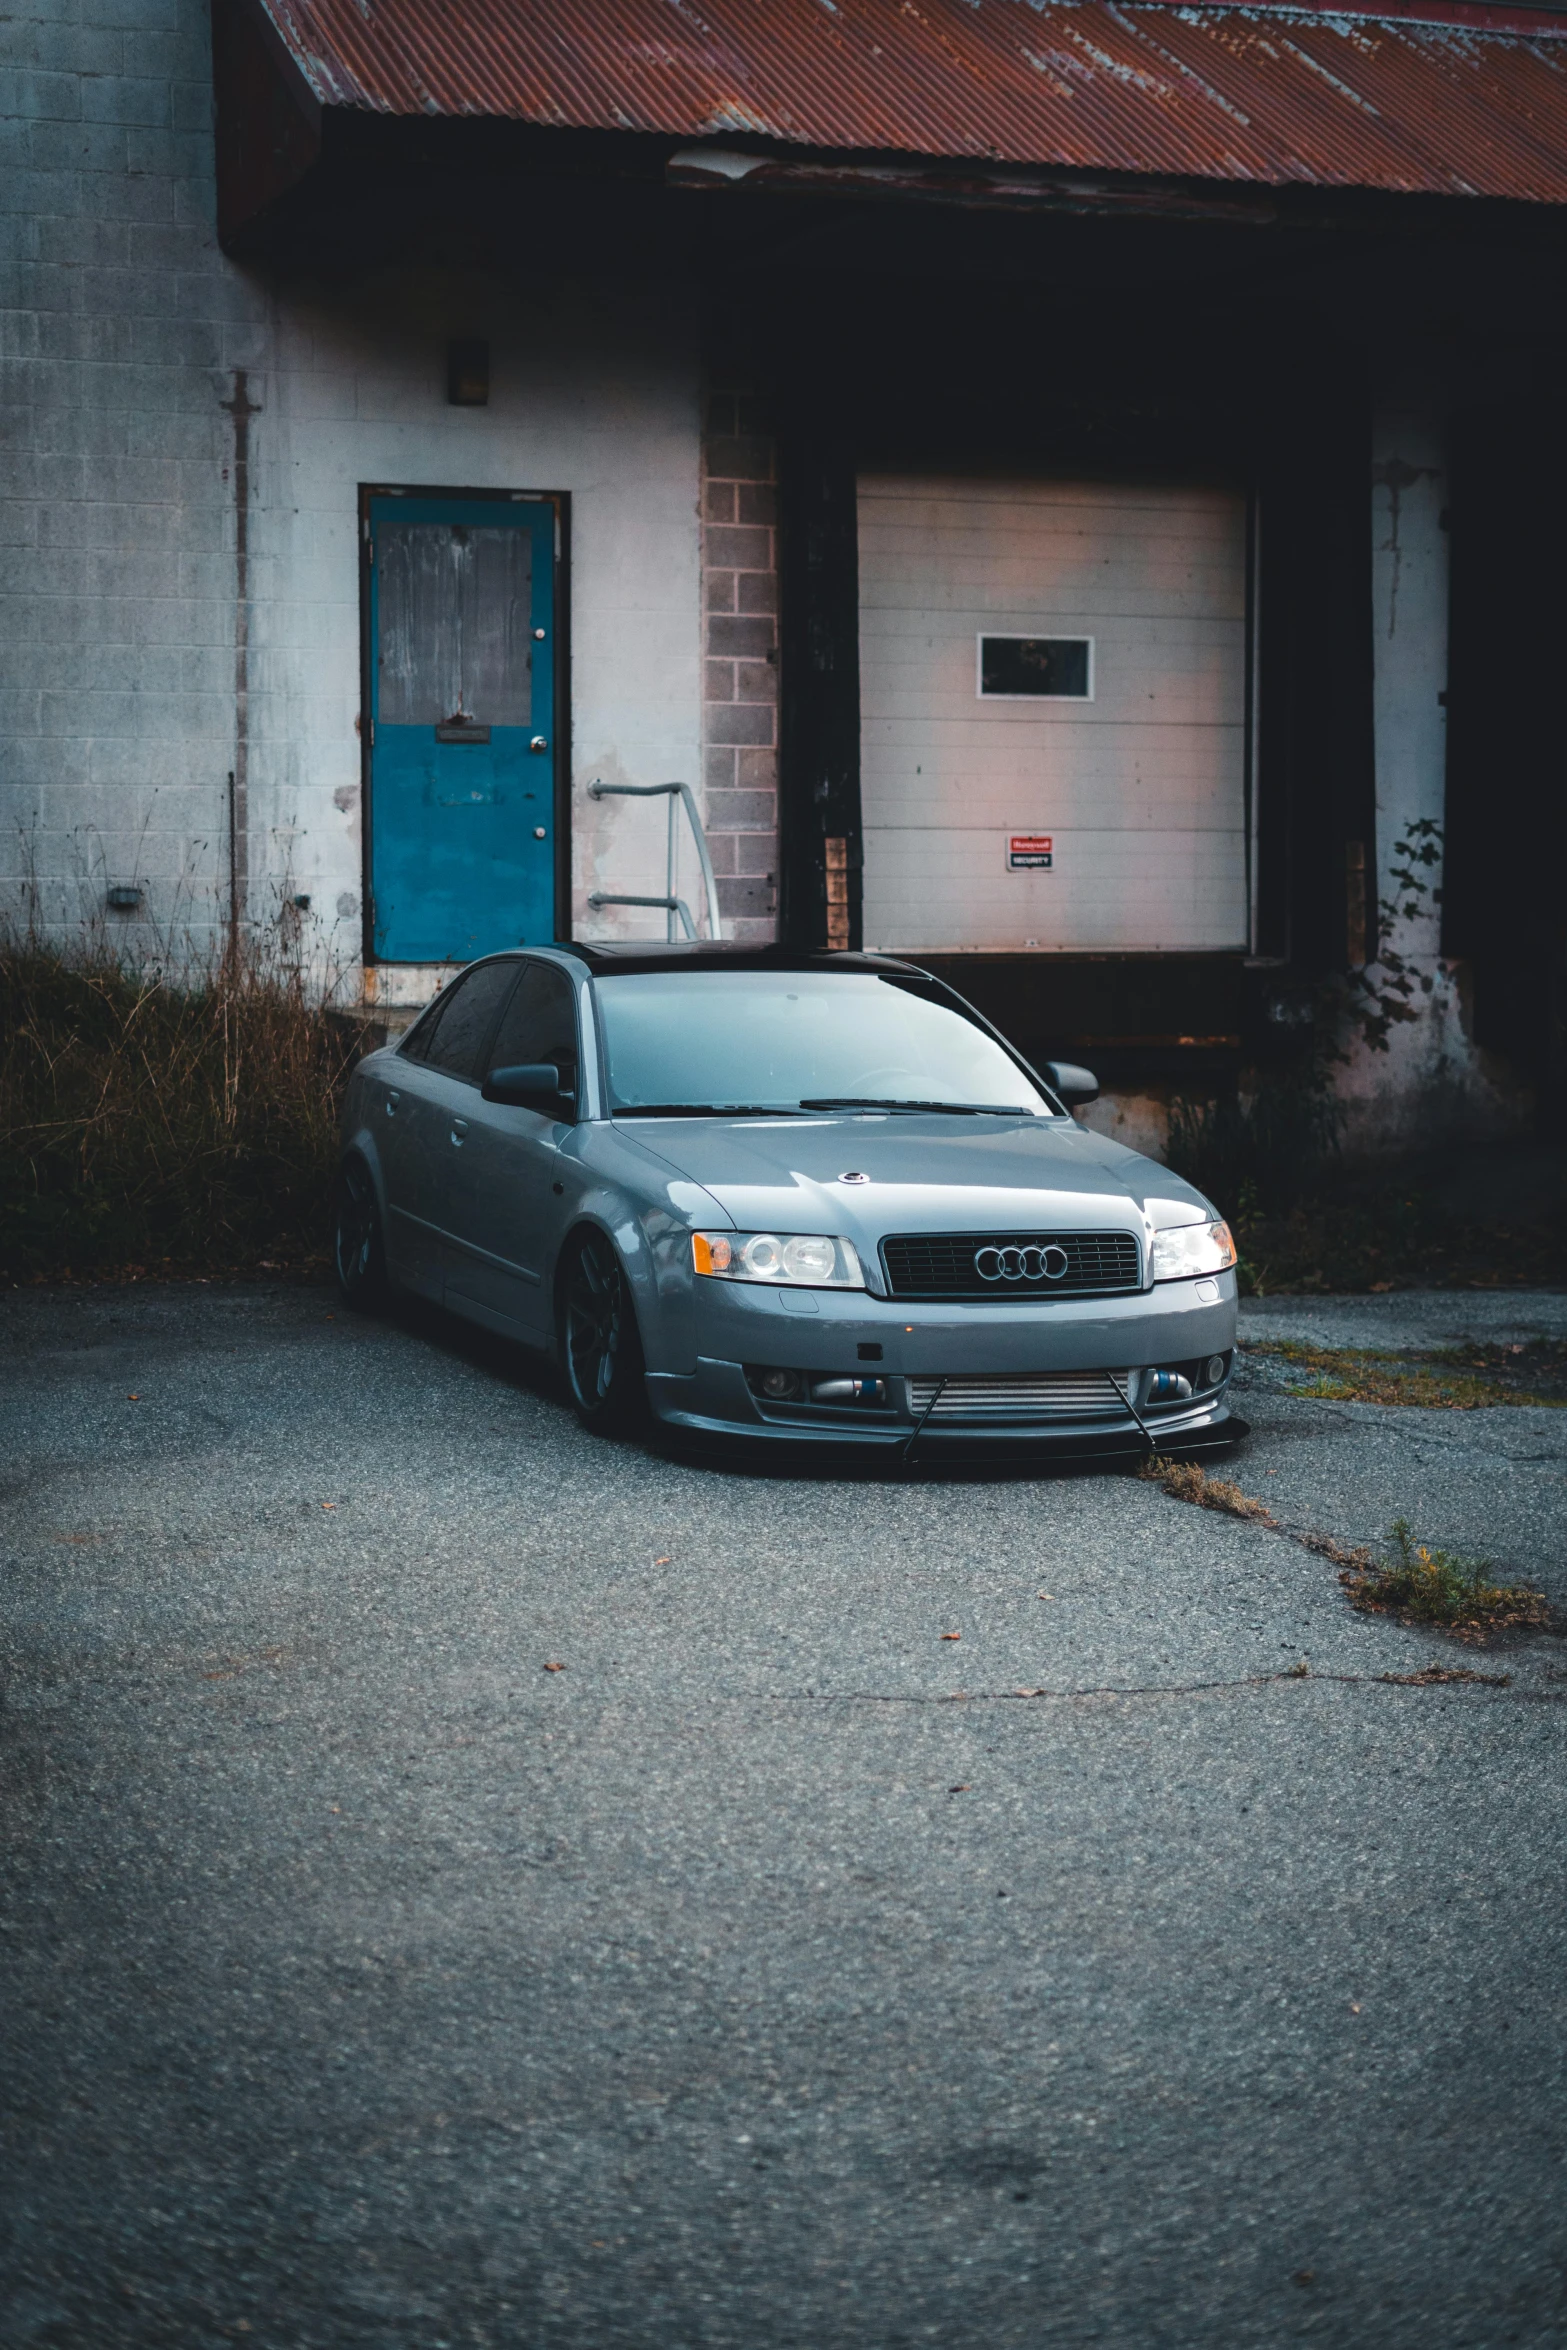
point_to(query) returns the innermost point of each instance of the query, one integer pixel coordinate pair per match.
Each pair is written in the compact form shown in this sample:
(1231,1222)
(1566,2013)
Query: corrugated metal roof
(1450,107)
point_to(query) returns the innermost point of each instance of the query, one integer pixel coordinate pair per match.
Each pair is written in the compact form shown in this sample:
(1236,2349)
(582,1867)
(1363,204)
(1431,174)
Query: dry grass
(1420,1585)
(149,1128)
(1447,1382)
(1188,1481)
(1437,1677)
(1385,1235)
(1415,1583)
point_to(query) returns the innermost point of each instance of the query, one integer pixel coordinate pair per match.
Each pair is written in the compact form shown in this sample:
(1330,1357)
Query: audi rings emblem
(1030,1263)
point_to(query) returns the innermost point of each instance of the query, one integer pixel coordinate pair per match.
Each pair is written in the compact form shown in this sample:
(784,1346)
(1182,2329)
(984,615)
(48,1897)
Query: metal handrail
(604,897)
(599,790)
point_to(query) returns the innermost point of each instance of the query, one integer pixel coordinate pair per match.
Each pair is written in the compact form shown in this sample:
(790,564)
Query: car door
(438,1084)
(507,1205)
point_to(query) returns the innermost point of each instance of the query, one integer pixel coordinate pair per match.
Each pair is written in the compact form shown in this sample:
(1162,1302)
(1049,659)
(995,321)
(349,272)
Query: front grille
(943,1265)
(1047,1395)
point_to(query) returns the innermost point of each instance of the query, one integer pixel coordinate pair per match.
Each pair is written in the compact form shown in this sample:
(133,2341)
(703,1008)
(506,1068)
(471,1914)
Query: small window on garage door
(1053,714)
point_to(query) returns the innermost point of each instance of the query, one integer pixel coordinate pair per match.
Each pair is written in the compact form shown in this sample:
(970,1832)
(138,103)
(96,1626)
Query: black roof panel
(606,957)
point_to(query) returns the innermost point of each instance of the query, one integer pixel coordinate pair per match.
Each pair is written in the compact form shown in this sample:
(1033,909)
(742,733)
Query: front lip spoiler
(1211,1431)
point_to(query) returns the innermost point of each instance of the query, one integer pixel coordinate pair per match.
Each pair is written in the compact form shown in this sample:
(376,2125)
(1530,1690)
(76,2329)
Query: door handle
(392,1101)
(459,1130)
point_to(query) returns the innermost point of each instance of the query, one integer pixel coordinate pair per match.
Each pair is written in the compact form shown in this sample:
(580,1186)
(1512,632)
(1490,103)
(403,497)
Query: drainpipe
(242,408)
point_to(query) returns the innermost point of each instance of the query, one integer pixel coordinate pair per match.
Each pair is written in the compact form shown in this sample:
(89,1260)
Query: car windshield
(786,1040)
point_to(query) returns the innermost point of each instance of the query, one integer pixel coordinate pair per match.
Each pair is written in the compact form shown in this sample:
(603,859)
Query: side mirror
(1071,1083)
(530,1085)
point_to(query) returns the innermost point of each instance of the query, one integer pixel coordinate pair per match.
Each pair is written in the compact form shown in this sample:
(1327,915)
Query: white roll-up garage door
(1053,720)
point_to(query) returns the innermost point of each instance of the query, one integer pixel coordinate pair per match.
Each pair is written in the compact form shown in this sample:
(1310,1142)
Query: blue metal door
(462,726)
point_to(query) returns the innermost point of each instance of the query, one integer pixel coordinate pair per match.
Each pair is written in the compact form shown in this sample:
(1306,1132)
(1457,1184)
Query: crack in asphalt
(1431,1678)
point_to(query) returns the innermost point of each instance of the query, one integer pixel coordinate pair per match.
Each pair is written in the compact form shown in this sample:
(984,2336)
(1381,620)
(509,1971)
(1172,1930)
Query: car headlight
(1193,1248)
(806,1260)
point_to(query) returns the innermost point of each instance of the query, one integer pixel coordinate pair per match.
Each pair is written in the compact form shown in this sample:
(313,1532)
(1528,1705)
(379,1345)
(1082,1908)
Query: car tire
(358,1242)
(600,1345)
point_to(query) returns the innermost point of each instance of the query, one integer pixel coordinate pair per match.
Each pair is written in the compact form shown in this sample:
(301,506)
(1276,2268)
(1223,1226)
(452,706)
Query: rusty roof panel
(1460,100)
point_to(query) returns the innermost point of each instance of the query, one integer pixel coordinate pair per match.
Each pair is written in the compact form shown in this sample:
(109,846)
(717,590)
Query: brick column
(740,677)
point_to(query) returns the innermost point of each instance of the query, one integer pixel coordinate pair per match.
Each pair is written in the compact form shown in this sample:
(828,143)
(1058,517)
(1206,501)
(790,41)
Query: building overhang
(1200,111)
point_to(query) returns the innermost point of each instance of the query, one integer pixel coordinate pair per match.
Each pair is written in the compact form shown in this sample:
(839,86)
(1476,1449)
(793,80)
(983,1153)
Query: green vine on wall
(1384,994)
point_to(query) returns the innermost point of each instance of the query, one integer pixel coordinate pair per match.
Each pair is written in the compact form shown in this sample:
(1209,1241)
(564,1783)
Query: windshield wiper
(860,1101)
(705,1110)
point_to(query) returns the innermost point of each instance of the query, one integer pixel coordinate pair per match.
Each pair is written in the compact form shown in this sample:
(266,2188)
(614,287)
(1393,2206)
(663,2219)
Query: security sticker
(1029,852)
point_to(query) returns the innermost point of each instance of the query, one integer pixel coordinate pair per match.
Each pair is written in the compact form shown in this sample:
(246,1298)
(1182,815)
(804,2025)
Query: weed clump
(151,1127)
(1261,1151)
(1361,1375)
(1189,1481)
(1426,1586)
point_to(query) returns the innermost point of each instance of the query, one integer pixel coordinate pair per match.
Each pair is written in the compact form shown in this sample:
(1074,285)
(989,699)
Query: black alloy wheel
(601,1352)
(358,1245)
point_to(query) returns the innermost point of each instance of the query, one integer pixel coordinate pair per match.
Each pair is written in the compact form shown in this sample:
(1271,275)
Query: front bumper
(856,1334)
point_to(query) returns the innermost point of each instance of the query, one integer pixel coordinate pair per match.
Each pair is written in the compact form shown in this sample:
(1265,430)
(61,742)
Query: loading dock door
(1053,720)
(462,799)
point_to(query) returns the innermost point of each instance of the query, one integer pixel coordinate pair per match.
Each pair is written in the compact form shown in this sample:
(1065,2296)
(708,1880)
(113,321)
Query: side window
(416,1044)
(540,1024)
(467,1017)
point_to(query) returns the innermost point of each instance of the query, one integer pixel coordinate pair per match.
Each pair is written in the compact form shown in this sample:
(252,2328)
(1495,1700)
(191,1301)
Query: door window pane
(469,1015)
(540,1024)
(454,604)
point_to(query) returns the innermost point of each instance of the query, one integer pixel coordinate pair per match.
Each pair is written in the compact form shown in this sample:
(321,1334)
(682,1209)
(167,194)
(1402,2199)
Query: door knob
(539,743)
(538,832)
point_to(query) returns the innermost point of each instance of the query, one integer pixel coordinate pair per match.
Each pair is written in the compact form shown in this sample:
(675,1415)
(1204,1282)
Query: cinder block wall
(123,327)
(740,670)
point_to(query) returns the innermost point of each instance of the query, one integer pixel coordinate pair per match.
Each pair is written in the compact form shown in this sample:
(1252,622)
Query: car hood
(923,1173)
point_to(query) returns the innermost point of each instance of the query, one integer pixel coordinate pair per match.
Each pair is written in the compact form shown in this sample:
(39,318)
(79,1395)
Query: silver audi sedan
(785,1197)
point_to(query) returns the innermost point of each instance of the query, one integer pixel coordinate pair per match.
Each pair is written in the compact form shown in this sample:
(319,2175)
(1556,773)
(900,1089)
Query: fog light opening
(832,1390)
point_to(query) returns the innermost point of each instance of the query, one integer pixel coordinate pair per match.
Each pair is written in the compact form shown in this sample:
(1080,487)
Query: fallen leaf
(1353,2009)
(554,1668)
(963,1789)
(952,1636)
(133,1399)
(329,1505)
(663,1562)
(1377,1287)
(1300,1672)
(1044,1595)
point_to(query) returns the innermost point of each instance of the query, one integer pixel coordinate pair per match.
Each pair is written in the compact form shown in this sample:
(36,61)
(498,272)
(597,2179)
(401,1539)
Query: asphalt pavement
(781,1972)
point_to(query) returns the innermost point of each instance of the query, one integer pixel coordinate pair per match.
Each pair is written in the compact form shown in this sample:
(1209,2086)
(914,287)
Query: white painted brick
(77,146)
(142,198)
(191,106)
(40,194)
(19,334)
(61,48)
(124,98)
(42,96)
